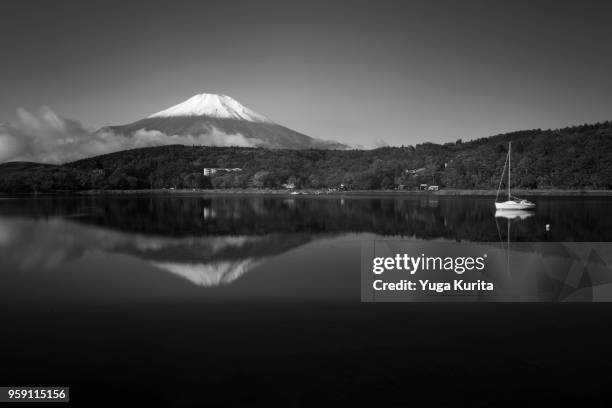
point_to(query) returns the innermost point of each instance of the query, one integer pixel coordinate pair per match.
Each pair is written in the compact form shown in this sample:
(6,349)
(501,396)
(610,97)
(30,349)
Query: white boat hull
(515,205)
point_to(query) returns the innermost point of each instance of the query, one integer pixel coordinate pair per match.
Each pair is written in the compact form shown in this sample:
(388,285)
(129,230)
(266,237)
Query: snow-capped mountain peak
(212,105)
(219,120)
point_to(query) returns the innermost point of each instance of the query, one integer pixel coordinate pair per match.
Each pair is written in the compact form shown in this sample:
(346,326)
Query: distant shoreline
(312,192)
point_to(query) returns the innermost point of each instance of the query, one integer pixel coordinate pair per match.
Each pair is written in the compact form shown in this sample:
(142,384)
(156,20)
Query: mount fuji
(212,119)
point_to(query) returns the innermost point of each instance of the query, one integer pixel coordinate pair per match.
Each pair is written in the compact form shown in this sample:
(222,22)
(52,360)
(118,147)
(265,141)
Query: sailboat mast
(509,157)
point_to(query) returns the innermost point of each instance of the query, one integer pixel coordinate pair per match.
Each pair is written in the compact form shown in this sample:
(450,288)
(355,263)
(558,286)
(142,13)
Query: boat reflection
(514,214)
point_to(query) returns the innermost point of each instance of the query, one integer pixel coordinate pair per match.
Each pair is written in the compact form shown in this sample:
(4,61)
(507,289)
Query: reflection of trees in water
(41,245)
(443,217)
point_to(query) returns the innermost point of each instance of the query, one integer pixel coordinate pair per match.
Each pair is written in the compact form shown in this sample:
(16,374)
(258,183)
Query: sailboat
(513,203)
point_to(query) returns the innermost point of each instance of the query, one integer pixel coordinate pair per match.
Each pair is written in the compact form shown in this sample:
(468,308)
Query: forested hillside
(571,158)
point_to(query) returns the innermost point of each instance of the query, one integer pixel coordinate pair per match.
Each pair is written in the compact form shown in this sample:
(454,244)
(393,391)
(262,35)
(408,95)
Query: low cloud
(46,137)
(375,144)
(213,137)
(380,143)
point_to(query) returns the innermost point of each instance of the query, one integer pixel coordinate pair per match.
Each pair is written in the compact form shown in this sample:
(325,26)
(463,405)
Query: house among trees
(209,171)
(414,172)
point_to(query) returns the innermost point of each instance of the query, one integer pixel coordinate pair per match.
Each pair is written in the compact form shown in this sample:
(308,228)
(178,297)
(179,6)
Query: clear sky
(353,71)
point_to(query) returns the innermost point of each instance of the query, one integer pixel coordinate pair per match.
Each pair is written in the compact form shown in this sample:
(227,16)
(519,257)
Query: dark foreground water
(256,300)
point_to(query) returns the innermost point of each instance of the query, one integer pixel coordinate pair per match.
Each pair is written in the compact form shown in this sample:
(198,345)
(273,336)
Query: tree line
(578,157)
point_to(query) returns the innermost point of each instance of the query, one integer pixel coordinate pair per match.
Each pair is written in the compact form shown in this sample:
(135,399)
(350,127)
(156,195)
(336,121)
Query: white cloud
(380,143)
(49,138)
(147,138)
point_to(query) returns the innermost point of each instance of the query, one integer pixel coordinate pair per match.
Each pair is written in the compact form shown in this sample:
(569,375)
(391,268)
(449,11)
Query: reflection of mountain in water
(457,218)
(34,245)
(212,241)
(209,274)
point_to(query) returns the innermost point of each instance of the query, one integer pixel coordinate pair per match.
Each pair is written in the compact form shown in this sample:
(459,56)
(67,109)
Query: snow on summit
(217,120)
(212,105)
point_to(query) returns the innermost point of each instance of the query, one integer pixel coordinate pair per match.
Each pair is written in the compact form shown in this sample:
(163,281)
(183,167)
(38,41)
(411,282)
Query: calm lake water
(244,247)
(256,300)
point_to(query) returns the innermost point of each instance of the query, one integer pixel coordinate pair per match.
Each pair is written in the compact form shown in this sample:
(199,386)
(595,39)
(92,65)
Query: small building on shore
(209,171)
(414,172)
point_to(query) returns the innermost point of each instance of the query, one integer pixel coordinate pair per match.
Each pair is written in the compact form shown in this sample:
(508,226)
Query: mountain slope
(19,167)
(222,116)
